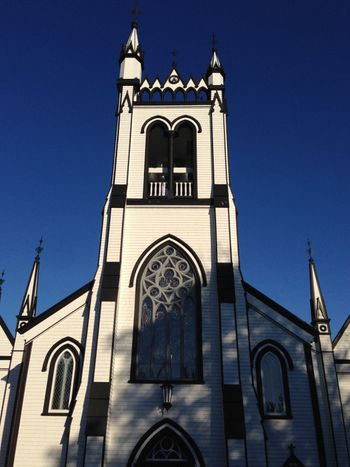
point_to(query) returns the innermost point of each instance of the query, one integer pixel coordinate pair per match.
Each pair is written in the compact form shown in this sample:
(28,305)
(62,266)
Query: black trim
(225,281)
(220,196)
(22,380)
(8,357)
(148,434)
(154,103)
(341,361)
(280,309)
(6,330)
(59,344)
(57,307)
(98,409)
(50,378)
(110,282)
(163,119)
(161,240)
(260,354)
(315,406)
(341,331)
(118,196)
(145,259)
(233,411)
(128,82)
(280,347)
(170,201)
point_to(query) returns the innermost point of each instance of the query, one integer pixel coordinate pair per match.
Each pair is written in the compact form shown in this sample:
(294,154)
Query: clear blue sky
(287,78)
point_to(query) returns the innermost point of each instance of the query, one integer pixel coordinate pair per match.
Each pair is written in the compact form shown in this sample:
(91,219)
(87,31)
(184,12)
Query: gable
(6,339)
(341,343)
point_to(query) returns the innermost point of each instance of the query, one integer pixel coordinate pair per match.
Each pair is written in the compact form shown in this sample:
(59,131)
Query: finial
(173,54)
(2,280)
(309,250)
(39,249)
(291,448)
(135,12)
(213,41)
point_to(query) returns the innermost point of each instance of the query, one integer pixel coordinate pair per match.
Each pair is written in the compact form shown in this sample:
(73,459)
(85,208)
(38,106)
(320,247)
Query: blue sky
(287,84)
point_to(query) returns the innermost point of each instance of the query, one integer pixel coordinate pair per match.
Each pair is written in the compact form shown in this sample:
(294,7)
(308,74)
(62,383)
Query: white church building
(168,357)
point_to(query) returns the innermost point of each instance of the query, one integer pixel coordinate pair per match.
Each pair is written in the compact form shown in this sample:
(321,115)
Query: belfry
(168,357)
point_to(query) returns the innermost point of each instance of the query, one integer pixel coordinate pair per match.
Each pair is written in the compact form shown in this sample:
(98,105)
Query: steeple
(215,73)
(131,56)
(28,307)
(319,313)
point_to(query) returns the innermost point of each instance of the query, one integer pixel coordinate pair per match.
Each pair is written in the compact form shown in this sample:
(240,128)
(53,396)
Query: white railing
(157,188)
(183,189)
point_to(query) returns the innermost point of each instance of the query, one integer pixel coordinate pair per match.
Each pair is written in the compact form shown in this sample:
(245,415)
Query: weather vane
(309,249)
(173,54)
(213,41)
(135,12)
(39,248)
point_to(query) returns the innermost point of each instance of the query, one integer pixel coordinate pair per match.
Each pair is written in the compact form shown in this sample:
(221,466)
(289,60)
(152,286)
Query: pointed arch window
(170,166)
(272,383)
(63,368)
(167,319)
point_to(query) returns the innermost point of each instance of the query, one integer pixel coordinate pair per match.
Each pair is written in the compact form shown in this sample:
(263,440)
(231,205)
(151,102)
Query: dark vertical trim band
(18,405)
(315,406)
(225,281)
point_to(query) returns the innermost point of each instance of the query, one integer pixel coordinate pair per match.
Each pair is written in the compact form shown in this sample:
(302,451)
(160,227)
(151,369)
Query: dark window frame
(284,372)
(170,134)
(145,262)
(66,346)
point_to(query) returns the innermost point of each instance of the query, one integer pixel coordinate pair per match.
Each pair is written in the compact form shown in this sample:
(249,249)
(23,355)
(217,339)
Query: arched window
(170,161)
(167,319)
(272,383)
(62,361)
(166,444)
(145,96)
(63,385)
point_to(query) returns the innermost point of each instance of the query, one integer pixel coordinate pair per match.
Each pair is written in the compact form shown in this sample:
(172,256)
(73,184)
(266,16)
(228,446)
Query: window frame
(51,361)
(284,376)
(199,360)
(170,133)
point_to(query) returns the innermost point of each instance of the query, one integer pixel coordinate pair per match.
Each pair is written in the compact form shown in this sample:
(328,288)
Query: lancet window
(166,345)
(170,162)
(272,380)
(63,385)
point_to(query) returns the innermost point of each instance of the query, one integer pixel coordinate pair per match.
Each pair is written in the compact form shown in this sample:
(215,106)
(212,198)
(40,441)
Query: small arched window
(63,384)
(167,319)
(272,383)
(62,363)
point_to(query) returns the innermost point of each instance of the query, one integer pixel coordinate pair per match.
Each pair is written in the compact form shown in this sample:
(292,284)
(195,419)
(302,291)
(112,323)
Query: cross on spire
(39,248)
(173,54)
(213,41)
(135,12)
(2,280)
(291,448)
(309,250)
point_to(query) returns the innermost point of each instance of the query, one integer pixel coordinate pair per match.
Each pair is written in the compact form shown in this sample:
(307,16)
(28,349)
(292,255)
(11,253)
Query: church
(167,357)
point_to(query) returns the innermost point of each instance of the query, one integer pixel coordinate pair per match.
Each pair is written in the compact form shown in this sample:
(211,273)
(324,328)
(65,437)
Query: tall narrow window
(272,385)
(170,161)
(62,389)
(166,345)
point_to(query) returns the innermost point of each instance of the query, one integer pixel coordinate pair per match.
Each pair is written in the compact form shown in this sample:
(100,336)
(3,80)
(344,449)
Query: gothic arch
(166,429)
(158,244)
(156,118)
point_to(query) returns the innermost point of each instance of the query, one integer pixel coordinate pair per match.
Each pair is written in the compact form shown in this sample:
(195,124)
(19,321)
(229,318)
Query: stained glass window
(167,321)
(272,385)
(63,382)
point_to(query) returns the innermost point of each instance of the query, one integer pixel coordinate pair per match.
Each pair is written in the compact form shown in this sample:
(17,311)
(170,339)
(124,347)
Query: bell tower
(168,294)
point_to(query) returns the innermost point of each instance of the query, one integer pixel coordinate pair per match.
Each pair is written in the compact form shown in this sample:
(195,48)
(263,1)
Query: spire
(319,313)
(131,55)
(28,307)
(215,73)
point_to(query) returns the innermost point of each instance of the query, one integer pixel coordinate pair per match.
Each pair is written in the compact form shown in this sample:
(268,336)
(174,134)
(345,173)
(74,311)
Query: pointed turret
(28,307)
(319,313)
(131,56)
(215,73)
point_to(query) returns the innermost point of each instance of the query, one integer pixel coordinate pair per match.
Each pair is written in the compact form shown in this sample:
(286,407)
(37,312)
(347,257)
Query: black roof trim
(56,307)
(6,330)
(280,309)
(341,331)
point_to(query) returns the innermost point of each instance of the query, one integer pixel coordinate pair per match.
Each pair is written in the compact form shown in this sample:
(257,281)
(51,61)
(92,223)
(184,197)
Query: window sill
(166,381)
(55,414)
